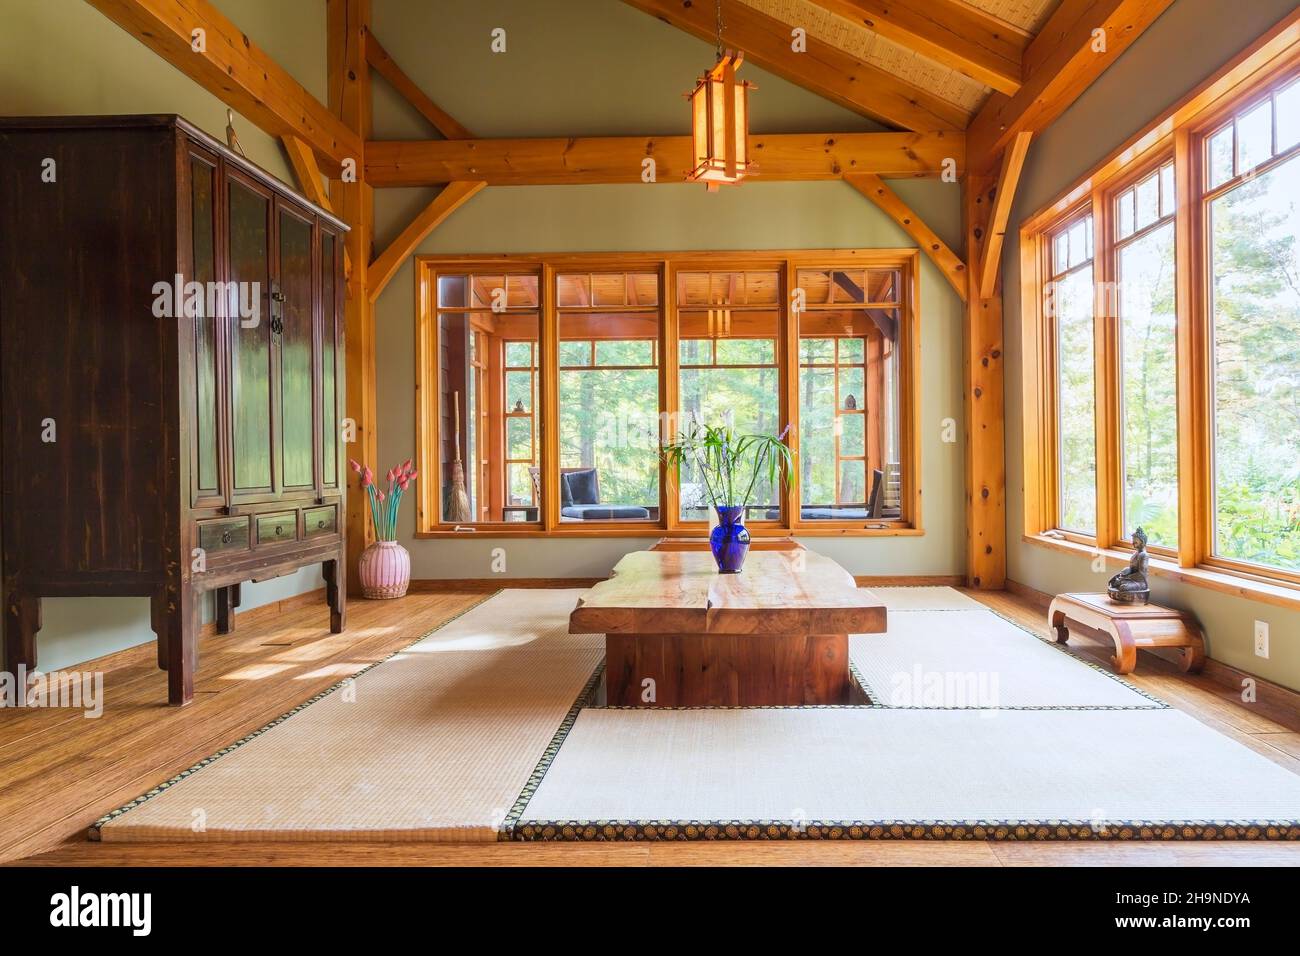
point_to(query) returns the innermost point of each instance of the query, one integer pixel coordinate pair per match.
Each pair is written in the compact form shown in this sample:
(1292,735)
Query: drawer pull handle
(225,537)
(279,529)
(320,523)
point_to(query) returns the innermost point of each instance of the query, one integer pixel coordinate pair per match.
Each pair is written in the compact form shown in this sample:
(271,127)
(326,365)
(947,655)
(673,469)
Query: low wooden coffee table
(679,634)
(1130,626)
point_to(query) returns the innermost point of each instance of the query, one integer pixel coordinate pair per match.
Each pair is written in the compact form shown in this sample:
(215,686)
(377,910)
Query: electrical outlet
(1261,639)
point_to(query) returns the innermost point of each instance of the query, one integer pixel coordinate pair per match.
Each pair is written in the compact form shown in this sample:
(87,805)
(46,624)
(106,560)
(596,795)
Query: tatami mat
(797,766)
(434,744)
(973,658)
(925,599)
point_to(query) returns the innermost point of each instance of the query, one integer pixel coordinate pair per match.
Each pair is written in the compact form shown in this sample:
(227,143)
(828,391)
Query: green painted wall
(592,67)
(1187,44)
(64,57)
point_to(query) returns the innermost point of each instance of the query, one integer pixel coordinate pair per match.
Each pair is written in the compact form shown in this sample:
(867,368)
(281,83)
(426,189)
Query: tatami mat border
(1032,831)
(553,748)
(93,832)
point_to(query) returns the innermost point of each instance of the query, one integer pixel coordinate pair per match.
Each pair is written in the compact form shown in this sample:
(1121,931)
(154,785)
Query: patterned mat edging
(548,755)
(1008,830)
(93,832)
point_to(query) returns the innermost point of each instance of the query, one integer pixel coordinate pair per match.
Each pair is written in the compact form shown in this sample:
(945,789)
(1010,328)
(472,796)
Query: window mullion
(1194,499)
(1106,376)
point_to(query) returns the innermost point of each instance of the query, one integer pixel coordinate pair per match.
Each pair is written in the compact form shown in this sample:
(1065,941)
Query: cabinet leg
(22,622)
(180,634)
(235,595)
(1058,624)
(158,621)
(225,609)
(336,593)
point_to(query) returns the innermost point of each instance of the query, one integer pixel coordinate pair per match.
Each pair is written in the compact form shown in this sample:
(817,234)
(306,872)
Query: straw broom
(458,506)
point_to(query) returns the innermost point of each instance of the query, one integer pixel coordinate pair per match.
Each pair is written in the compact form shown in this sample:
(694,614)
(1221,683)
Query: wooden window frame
(1182,133)
(667,265)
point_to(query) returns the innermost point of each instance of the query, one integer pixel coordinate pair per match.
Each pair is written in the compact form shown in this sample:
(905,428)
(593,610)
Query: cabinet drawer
(225,534)
(277,527)
(320,521)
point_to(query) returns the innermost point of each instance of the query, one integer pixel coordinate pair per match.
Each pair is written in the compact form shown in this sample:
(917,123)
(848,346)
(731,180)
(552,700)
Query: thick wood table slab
(679,634)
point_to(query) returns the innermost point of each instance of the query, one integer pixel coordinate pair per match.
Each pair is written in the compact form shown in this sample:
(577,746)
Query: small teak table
(1130,626)
(679,634)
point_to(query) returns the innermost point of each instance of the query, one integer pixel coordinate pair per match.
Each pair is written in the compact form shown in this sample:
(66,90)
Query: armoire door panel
(250,339)
(330,435)
(205,468)
(294,328)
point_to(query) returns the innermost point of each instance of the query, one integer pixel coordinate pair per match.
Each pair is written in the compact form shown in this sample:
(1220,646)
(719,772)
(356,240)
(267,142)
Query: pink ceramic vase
(385,570)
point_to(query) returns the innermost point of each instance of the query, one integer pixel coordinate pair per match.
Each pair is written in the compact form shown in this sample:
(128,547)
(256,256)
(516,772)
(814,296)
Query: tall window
(487,341)
(1144,262)
(1177,408)
(849,464)
(609,326)
(1070,299)
(1253,218)
(727,325)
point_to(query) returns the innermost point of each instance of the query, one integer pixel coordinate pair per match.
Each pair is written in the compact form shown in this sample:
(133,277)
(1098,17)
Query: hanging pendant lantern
(720,126)
(720,122)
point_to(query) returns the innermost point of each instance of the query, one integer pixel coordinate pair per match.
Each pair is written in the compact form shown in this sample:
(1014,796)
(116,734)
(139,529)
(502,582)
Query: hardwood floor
(61,772)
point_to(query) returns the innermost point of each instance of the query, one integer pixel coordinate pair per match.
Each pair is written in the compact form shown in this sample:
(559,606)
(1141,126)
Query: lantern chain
(719,12)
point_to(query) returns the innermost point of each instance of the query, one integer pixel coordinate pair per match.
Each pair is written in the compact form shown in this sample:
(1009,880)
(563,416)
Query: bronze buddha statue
(1130,585)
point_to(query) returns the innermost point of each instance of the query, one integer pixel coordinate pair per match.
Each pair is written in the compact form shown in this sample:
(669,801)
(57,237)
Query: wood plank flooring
(59,772)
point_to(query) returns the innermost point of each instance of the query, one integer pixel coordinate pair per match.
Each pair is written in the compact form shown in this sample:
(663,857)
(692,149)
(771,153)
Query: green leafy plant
(729,465)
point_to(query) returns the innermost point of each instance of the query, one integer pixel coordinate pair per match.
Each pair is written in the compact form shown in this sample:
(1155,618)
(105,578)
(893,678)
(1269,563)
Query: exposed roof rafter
(822,69)
(949,32)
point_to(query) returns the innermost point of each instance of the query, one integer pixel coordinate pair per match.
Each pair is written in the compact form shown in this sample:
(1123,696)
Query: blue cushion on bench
(605,512)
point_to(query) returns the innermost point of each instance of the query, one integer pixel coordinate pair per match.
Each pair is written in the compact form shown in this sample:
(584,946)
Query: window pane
(452,291)
(609,416)
(746,351)
(575,353)
(634,352)
(819,351)
(519,391)
(1255,234)
(519,354)
(1221,156)
(816,285)
(847,439)
(1126,214)
(476,434)
(1149,386)
(695,352)
(1148,201)
(1288,117)
(1080,246)
(1255,136)
(1061,254)
(1077,455)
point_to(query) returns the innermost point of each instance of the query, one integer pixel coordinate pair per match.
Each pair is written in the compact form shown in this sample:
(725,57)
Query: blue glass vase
(729,541)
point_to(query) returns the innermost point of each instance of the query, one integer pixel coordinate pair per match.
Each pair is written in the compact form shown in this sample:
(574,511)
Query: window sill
(1225,582)
(501,531)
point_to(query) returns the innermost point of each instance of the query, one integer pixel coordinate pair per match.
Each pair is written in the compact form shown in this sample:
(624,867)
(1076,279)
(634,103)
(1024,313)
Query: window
(849,463)
(1144,266)
(1070,304)
(1253,225)
(727,328)
(609,396)
(1162,371)
(558,378)
(487,336)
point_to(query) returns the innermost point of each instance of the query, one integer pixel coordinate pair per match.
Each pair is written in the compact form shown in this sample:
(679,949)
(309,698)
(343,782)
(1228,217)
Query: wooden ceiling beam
(387,67)
(961,37)
(619,159)
(1079,41)
(949,263)
(236,71)
(386,264)
(1004,193)
(823,69)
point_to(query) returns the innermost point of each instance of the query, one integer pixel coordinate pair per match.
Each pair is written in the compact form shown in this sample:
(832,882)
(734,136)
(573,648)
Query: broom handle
(455,396)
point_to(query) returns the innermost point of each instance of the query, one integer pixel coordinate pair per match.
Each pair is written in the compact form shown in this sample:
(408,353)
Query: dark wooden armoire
(171,375)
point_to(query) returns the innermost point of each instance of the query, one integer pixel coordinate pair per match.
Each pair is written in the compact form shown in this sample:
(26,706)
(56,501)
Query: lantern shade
(719,126)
